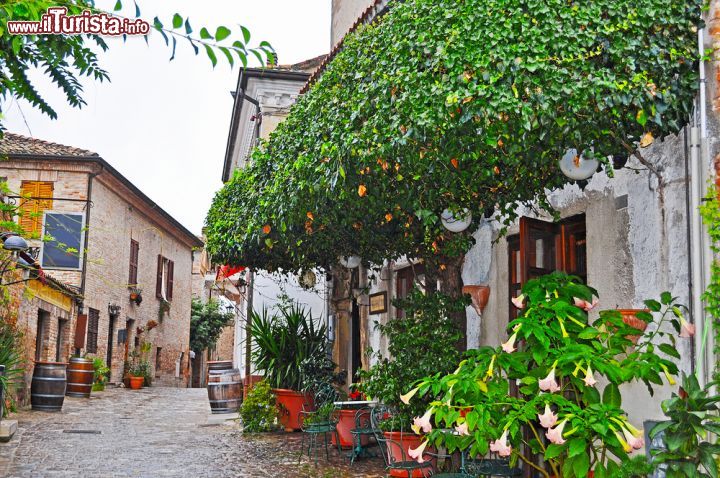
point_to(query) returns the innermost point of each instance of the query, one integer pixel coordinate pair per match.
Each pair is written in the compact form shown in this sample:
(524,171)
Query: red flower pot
(290,404)
(136,383)
(405,440)
(346,422)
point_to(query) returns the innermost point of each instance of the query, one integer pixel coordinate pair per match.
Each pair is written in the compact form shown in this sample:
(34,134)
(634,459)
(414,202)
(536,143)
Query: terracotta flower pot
(290,404)
(480,294)
(346,423)
(136,383)
(406,440)
(630,318)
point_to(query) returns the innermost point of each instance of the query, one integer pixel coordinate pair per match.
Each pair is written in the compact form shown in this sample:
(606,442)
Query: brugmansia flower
(687,329)
(406,398)
(589,378)
(491,367)
(509,346)
(501,446)
(549,418)
(422,423)
(549,384)
(634,441)
(622,441)
(669,378)
(555,434)
(417,453)
(518,301)
(462,429)
(585,305)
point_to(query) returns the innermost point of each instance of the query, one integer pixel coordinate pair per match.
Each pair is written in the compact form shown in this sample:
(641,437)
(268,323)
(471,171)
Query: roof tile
(12,144)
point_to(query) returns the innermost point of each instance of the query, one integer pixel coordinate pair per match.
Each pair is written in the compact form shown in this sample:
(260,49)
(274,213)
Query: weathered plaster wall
(344,15)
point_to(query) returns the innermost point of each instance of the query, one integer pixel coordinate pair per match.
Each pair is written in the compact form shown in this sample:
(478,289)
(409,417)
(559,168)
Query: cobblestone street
(156,432)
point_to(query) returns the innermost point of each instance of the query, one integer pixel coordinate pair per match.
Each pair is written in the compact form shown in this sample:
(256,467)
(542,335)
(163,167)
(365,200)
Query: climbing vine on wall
(459,105)
(710,211)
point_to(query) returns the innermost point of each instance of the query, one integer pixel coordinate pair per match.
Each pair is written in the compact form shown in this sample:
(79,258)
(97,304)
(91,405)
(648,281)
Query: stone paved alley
(156,432)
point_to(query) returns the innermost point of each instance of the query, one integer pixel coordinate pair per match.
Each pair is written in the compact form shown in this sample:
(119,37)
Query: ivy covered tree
(465,106)
(65,59)
(206,324)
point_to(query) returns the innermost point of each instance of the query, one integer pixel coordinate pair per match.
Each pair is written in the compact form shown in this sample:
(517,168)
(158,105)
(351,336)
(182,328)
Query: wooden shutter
(170,280)
(538,248)
(134,254)
(158,283)
(31,209)
(92,332)
(80,330)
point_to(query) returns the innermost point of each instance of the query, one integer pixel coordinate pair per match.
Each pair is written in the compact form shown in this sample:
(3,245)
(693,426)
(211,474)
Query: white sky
(162,124)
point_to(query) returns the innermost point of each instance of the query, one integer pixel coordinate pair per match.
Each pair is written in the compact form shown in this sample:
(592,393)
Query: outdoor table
(351,404)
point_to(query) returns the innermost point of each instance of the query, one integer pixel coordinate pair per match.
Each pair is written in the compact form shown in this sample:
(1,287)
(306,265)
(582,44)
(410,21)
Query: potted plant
(557,356)
(422,343)
(102,374)
(320,380)
(136,295)
(692,419)
(140,372)
(280,345)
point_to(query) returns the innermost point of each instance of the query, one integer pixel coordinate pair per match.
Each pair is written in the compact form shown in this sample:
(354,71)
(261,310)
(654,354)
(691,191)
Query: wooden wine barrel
(47,390)
(219,365)
(80,376)
(225,391)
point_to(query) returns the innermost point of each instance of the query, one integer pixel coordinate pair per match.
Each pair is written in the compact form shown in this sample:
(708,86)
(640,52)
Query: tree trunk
(449,271)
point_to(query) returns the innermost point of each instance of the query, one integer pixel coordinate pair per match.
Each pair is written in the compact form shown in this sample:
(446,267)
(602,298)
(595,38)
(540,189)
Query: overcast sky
(162,124)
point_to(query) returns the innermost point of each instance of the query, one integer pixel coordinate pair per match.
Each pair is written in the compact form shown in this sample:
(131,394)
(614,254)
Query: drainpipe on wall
(81,302)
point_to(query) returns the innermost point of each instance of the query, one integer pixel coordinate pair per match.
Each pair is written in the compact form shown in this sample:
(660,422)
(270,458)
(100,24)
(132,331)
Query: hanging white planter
(575,166)
(350,262)
(456,224)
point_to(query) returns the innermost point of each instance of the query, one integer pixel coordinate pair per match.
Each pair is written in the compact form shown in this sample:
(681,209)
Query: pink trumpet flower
(549,418)
(585,305)
(518,301)
(417,453)
(549,384)
(462,429)
(634,441)
(501,446)
(555,434)
(622,441)
(406,398)
(687,329)
(589,377)
(509,346)
(422,423)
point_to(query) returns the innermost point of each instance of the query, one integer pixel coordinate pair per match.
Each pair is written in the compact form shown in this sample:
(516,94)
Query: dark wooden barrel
(80,376)
(47,390)
(219,365)
(225,391)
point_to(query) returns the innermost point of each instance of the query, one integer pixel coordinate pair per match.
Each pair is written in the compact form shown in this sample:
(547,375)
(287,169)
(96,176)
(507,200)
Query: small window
(36,198)
(92,331)
(63,240)
(134,255)
(165,280)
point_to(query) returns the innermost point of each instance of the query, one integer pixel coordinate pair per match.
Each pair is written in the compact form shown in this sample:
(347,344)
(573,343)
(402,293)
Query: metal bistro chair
(487,467)
(390,448)
(312,428)
(363,431)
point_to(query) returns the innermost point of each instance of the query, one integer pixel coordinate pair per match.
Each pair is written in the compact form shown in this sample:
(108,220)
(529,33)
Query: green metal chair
(312,426)
(390,449)
(363,431)
(487,467)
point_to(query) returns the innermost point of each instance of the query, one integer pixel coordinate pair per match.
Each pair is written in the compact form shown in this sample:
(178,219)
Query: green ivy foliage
(258,411)
(710,212)
(446,104)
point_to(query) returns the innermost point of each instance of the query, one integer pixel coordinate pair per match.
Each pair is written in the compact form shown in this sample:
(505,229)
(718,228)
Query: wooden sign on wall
(378,303)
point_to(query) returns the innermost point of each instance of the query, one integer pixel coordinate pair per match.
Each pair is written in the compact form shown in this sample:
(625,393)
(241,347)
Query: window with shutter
(170,280)
(405,280)
(159,278)
(92,331)
(134,254)
(33,204)
(543,247)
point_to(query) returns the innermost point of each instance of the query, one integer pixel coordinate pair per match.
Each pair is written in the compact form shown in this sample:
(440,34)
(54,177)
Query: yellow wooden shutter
(31,217)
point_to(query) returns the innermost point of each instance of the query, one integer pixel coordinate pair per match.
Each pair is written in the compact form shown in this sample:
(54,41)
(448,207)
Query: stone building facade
(125,242)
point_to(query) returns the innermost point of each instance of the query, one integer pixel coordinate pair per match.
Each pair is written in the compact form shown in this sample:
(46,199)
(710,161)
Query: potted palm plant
(280,345)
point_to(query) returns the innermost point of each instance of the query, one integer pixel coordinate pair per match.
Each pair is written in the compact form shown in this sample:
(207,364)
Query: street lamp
(13,242)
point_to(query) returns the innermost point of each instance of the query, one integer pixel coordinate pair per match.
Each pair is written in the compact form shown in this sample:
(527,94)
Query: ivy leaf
(177,21)
(641,117)
(222,33)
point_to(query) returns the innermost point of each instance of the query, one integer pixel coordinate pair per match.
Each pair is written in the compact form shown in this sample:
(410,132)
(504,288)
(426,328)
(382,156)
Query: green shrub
(258,411)
(102,374)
